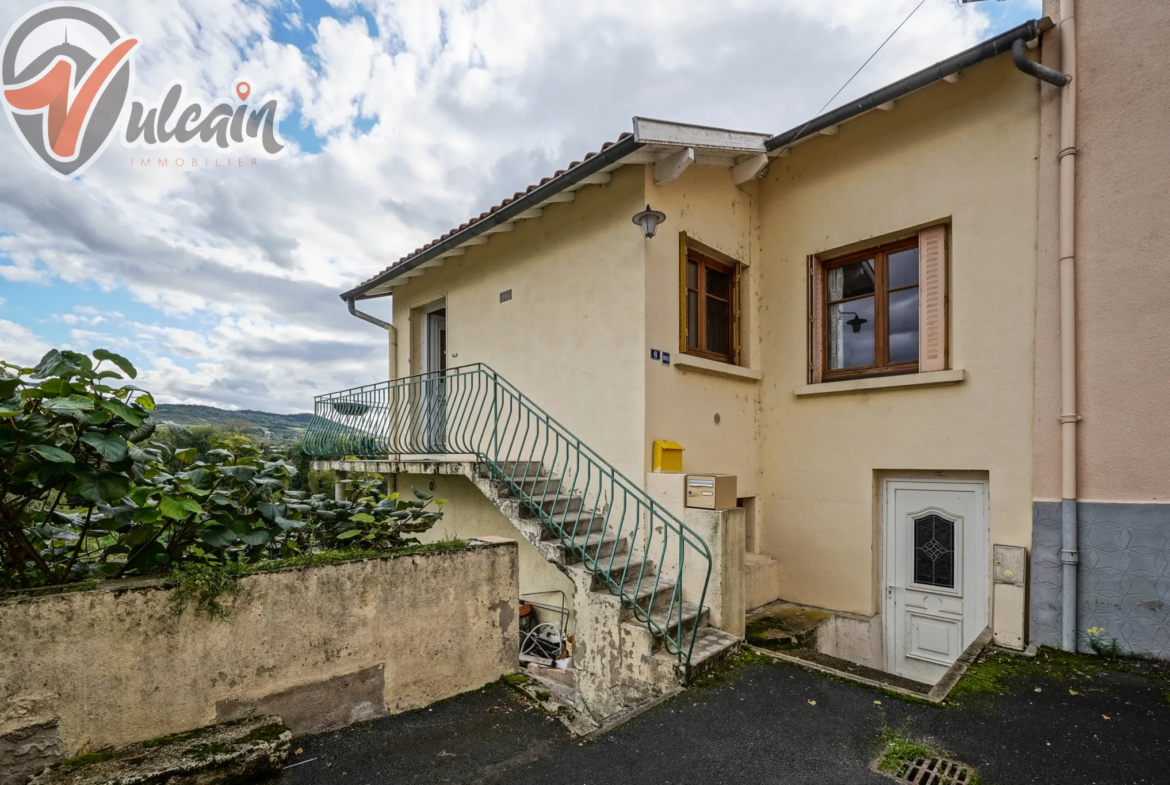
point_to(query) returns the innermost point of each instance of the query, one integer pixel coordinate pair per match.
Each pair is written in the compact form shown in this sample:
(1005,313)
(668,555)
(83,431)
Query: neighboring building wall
(1122,290)
(323,647)
(963,153)
(681,404)
(572,337)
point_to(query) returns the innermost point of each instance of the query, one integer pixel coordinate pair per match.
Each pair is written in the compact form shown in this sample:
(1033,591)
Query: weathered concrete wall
(323,646)
(964,154)
(1123,582)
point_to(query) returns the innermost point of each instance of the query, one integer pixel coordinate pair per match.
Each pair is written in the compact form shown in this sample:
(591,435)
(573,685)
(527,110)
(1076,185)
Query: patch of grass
(898,748)
(729,668)
(356,554)
(515,679)
(204,585)
(87,759)
(998,673)
(1166,695)
(543,695)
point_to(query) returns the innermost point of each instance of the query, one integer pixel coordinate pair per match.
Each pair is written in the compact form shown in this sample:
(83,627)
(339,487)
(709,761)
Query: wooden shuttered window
(710,310)
(880,311)
(932,299)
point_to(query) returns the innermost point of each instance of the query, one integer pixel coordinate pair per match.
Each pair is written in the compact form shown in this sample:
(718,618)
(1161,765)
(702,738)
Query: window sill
(929,379)
(687,362)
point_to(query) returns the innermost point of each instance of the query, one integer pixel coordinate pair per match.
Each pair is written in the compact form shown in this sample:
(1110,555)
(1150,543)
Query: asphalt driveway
(1056,719)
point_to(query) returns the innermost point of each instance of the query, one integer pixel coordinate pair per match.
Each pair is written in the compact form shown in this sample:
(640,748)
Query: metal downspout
(1069,552)
(390,329)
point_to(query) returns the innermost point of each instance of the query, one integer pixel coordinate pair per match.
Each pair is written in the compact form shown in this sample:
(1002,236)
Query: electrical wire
(855,73)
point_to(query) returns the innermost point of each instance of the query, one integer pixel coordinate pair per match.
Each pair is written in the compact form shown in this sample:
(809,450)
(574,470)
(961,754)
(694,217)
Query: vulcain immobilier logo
(67,74)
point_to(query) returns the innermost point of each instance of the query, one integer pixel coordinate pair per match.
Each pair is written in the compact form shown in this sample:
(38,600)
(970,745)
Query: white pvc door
(936,574)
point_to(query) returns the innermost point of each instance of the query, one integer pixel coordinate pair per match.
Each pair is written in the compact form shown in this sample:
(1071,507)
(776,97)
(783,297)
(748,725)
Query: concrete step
(553,505)
(712,646)
(647,595)
(508,467)
(691,615)
(595,547)
(529,485)
(630,565)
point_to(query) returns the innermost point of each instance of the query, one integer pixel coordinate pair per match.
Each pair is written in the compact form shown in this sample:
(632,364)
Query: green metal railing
(585,502)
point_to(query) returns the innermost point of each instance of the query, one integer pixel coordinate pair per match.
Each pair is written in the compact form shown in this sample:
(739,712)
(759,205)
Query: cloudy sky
(403,118)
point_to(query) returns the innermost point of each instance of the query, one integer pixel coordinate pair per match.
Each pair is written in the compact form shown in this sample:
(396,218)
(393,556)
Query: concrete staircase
(620,661)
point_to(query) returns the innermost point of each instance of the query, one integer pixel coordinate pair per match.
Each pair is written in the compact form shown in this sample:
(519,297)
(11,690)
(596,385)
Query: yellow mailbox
(667,456)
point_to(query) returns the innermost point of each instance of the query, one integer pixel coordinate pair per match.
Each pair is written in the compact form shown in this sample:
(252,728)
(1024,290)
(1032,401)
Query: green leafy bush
(85,494)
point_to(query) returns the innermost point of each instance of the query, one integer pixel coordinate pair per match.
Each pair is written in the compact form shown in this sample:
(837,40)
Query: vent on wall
(505,296)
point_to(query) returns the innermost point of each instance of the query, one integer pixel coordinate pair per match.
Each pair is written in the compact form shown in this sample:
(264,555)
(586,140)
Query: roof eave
(952,65)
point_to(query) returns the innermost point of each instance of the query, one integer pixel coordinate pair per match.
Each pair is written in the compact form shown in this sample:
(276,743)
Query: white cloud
(469,102)
(20,345)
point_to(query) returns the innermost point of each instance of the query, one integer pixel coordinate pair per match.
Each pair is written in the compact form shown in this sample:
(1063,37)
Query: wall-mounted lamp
(856,321)
(649,219)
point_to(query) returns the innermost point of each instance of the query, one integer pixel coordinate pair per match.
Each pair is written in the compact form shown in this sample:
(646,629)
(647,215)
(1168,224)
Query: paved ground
(757,722)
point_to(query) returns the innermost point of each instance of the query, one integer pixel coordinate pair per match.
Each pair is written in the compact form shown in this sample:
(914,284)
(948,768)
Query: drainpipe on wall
(1069,553)
(390,329)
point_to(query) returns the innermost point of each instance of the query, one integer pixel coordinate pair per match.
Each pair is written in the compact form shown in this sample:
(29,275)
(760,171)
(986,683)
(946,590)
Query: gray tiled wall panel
(1123,579)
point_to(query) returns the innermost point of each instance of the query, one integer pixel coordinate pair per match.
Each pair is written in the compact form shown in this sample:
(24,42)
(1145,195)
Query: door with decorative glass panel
(935,573)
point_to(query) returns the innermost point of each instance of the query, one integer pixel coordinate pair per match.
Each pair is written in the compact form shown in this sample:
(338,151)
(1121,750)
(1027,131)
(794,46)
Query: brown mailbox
(711,491)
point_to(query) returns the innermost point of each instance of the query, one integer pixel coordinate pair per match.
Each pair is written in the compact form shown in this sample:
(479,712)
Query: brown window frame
(881,295)
(731,270)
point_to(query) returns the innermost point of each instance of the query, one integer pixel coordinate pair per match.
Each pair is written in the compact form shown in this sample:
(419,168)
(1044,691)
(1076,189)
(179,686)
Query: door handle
(890,592)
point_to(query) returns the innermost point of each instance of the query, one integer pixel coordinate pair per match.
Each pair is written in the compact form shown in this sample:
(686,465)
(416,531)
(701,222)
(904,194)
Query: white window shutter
(816,320)
(932,299)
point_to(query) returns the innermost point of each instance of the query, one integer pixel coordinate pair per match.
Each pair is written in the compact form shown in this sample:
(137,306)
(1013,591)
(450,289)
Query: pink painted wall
(1123,256)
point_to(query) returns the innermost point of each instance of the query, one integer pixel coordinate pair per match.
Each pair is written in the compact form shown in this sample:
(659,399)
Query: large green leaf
(178,507)
(111,446)
(269,511)
(70,403)
(239,473)
(8,387)
(99,486)
(116,407)
(256,537)
(217,536)
(52,453)
(125,365)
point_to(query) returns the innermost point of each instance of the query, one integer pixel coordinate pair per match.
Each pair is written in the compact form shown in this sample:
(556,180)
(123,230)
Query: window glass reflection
(904,325)
(851,333)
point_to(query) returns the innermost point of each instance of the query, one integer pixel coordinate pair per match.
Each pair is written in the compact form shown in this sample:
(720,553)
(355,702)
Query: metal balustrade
(589,506)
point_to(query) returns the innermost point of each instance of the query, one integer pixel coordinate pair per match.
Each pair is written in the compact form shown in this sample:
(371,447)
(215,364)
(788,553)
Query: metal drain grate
(931,771)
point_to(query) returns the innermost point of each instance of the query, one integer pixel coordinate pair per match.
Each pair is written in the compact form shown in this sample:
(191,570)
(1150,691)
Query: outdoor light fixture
(649,219)
(856,321)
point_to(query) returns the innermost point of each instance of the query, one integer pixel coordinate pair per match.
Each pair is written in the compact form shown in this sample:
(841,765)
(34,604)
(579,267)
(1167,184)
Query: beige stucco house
(843,316)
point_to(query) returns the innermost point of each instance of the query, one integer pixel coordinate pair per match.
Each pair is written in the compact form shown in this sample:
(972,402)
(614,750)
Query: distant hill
(281,428)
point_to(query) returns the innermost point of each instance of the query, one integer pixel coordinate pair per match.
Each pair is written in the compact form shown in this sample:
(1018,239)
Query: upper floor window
(880,311)
(710,305)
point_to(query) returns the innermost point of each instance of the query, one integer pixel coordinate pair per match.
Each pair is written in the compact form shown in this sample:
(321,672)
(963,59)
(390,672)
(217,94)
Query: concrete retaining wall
(323,647)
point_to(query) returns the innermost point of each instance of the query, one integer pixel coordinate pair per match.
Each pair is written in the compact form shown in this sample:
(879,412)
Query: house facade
(853,318)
